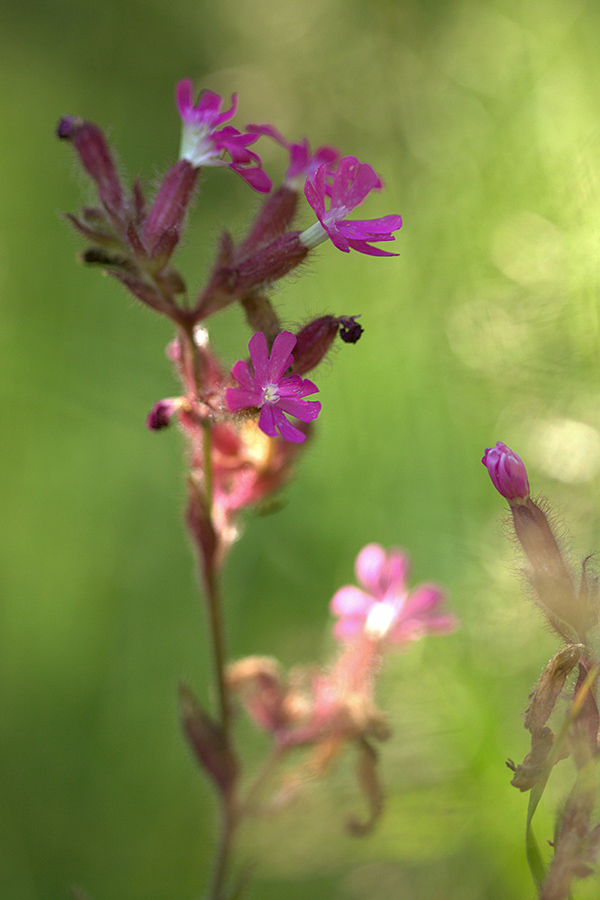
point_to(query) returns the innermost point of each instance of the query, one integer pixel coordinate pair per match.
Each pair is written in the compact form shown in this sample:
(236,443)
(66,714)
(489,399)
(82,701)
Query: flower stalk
(244,428)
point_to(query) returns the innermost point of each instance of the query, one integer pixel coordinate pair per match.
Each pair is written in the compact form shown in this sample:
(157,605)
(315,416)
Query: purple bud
(507,472)
(268,264)
(96,158)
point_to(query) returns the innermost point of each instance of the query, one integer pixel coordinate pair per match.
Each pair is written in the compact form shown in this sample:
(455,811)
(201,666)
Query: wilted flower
(203,143)
(268,389)
(352,183)
(383,609)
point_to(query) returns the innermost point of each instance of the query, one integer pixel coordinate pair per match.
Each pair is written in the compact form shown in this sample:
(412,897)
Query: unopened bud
(207,741)
(269,264)
(163,225)
(274,218)
(97,160)
(507,472)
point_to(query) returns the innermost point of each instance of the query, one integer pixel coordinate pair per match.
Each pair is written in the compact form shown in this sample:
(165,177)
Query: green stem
(217,632)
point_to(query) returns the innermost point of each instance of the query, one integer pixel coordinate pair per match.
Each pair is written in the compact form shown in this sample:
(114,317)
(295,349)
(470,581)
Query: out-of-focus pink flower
(507,471)
(203,142)
(383,609)
(352,182)
(162,412)
(303,162)
(270,390)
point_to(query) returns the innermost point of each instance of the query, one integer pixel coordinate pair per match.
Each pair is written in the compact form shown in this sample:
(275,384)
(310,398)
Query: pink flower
(383,609)
(303,163)
(507,472)
(353,181)
(203,143)
(270,390)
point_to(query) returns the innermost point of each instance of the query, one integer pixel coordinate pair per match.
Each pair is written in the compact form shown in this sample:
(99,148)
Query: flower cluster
(245,425)
(133,239)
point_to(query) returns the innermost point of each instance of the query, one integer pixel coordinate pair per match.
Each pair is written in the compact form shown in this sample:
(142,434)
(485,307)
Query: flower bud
(169,208)
(269,264)
(507,472)
(208,742)
(97,160)
(274,218)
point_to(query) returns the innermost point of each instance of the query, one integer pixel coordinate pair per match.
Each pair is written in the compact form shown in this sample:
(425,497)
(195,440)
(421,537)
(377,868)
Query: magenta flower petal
(302,410)
(269,389)
(238,398)
(303,162)
(259,354)
(267,422)
(281,356)
(352,183)
(369,568)
(350,601)
(243,376)
(204,142)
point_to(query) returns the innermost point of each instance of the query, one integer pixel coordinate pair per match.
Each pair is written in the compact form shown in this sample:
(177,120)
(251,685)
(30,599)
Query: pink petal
(257,178)
(347,628)
(396,570)
(266,421)
(305,410)
(184,94)
(350,601)
(259,356)
(237,398)
(286,429)
(244,377)
(363,247)
(281,358)
(371,229)
(424,600)
(369,567)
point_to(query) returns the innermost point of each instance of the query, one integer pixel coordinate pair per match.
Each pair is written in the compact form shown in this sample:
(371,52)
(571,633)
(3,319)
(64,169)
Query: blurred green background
(484,121)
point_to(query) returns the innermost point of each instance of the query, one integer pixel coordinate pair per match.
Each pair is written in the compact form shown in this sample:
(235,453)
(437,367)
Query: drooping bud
(507,472)
(314,340)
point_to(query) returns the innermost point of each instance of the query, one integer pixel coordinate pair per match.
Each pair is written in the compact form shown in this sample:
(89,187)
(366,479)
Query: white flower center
(379,620)
(270,393)
(196,145)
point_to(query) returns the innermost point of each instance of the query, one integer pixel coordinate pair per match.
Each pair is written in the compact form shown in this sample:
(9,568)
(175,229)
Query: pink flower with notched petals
(271,390)
(383,609)
(352,182)
(303,162)
(203,142)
